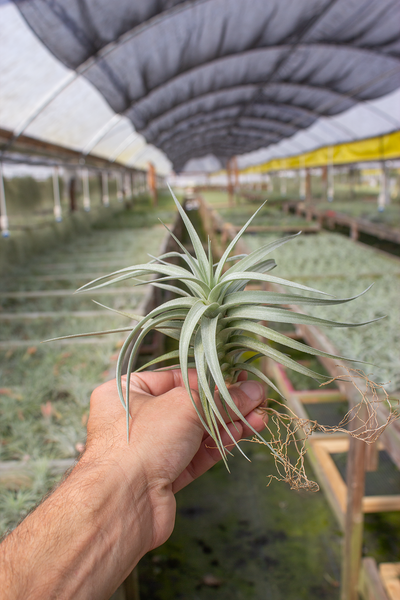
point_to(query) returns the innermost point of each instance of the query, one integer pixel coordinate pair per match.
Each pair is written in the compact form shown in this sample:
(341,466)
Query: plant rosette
(217,322)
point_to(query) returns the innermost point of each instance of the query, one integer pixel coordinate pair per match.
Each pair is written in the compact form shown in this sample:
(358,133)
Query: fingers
(206,457)
(247,395)
(208,454)
(156,383)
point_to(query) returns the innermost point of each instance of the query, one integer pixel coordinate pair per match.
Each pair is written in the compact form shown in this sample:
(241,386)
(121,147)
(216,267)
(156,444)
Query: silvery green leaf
(259,255)
(170,288)
(231,259)
(132,316)
(167,356)
(89,334)
(193,317)
(208,331)
(245,366)
(220,289)
(275,336)
(279,357)
(197,245)
(264,297)
(135,271)
(282,315)
(233,243)
(201,369)
(192,262)
(201,362)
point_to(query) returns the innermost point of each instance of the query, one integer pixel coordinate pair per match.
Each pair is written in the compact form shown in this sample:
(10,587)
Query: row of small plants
(390,217)
(342,268)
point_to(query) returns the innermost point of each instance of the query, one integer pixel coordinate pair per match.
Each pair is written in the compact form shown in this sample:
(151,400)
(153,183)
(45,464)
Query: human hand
(167,443)
(118,502)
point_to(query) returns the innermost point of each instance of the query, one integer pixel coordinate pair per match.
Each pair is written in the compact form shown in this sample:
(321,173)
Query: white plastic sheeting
(42,98)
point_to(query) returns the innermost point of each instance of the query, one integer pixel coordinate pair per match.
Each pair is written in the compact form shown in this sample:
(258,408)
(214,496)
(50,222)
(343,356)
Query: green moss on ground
(252,541)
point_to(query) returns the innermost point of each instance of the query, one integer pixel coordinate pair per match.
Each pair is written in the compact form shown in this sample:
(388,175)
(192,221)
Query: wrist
(103,525)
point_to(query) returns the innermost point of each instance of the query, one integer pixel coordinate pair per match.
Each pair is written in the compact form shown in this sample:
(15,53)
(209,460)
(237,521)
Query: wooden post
(354,519)
(324,182)
(131,586)
(302,187)
(308,186)
(354,231)
(152,183)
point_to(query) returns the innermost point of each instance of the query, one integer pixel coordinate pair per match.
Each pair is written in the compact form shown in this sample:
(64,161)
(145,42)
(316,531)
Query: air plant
(217,322)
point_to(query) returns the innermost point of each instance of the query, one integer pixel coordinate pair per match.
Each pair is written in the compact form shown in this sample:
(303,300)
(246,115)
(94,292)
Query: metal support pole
(104,184)
(128,186)
(133,185)
(86,194)
(120,195)
(283,183)
(384,195)
(3,209)
(56,193)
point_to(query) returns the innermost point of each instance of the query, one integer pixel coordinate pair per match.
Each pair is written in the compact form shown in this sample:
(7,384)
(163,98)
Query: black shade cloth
(224,77)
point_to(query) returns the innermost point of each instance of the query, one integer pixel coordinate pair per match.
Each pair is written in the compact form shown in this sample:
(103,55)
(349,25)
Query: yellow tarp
(383,147)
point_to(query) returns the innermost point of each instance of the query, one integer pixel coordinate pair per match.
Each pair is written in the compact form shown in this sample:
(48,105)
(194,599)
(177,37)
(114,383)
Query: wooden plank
(280,228)
(60,276)
(57,153)
(324,481)
(371,586)
(55,465)
(354,520)
(337,485)
(74,265)
(335,445)
(321,396)
(78,314)
(390,575)
(376,504)
(61,293)
(30,343)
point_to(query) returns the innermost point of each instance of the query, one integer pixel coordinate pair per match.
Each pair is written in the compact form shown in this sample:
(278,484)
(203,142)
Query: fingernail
(252,389)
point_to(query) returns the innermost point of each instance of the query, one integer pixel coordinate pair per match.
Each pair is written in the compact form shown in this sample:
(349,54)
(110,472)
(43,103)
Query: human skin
(119,500)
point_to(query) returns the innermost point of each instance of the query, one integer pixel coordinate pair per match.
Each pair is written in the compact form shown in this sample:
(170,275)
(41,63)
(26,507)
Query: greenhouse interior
(220,181)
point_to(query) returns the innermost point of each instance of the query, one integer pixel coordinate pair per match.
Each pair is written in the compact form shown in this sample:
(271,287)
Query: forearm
(82,541)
